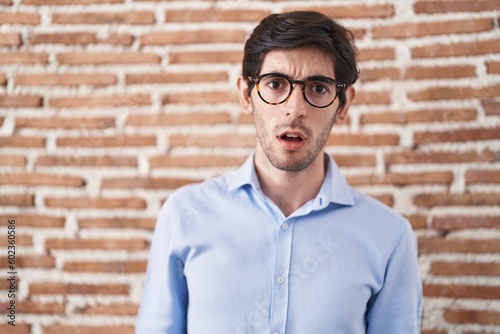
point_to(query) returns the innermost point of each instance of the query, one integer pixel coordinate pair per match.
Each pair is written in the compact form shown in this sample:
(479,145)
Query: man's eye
(319,89)
(275,84)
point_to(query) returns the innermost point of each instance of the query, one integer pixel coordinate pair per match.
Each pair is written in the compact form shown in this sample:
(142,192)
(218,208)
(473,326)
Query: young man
(283,244)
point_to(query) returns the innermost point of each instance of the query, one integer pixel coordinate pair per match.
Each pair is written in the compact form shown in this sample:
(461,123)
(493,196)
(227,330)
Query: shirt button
(276,333)
(285,226)
(280,280)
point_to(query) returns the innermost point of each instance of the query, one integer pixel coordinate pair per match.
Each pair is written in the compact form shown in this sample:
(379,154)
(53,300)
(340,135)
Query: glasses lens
(274,89)
(320,92)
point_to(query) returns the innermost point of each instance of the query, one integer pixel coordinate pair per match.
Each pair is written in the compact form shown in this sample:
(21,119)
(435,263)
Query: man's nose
(296,105)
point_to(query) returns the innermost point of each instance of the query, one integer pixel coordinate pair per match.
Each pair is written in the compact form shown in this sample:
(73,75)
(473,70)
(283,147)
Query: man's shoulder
(377,212)
(200,193)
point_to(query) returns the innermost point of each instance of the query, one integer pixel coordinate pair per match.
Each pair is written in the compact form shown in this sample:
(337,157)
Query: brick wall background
(106,106)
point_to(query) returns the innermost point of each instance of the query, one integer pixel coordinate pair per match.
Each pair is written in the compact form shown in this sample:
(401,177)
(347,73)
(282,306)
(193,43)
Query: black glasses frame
(338,85)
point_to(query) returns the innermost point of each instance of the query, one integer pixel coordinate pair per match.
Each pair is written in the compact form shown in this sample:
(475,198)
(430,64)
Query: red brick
(188,161)
(363,139)
(202,57)
(97,203)
(440,93)
(107,244)
(462,316)
(464,222)
(493,67)
(3,79)
(22,141)
(194,36)
(93,101)
(466,268)
(41,179)
(78,289)
(78,38)
(175,119)
(34,220)
(431,115)
(462,135)
(402,179)
(21,240)
(228,140)
(215,15)
(405,30)
(19,328)
(66,79)
(83,58)
(107,141)
(440,72)
(125,309)
(80,329)
(482,176)
(117,39)
(20,200)
(199,98)
(118,267)
(491,107)
(417,221)
(387,53)
(443,199)
(7,3)
(387,199)
(87,161)
(433,331)
(65,123)
(457,49)
(10,39)
(68,2)
(28,307)
(373,74)
(439,245)
(118,223)
(445,6)
(350,11)
(373,97)
(19,101)
(12,160)
(439,157)
(31,261)
(146,183)
(175,77)
(461,291)
(23,58)
(19,18)
(134,17)
(355,160)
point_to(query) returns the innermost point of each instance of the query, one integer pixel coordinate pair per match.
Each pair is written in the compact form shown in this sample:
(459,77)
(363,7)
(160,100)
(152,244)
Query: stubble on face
(289,160)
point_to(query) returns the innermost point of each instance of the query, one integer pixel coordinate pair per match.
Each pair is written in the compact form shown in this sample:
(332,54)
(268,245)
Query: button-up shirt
(224,259)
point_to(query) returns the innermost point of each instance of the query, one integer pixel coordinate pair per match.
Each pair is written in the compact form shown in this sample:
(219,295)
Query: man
(283,244)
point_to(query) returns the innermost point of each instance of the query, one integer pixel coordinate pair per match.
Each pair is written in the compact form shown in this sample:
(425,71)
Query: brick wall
(107,106)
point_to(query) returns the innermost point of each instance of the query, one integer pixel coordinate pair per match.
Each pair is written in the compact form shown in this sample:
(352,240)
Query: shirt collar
(333,190)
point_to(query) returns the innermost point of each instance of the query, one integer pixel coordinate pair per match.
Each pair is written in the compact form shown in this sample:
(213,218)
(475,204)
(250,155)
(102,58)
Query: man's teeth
(291,136)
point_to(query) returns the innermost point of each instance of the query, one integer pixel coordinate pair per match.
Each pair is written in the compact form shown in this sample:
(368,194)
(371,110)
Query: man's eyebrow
(311,77)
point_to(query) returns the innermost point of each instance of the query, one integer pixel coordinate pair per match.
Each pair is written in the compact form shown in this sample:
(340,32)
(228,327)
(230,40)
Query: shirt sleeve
(397,307)
(164,301)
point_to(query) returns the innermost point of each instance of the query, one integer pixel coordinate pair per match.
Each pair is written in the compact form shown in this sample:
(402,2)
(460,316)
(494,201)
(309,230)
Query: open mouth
(290,137)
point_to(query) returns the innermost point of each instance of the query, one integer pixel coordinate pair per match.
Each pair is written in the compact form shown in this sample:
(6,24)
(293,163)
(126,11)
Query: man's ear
(350,93)
(244,96)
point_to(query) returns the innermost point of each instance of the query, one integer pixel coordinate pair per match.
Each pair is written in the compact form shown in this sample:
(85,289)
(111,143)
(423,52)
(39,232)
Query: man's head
(297,78)
(294,30)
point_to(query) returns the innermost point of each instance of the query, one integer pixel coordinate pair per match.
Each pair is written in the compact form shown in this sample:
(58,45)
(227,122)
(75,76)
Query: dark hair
(292,30)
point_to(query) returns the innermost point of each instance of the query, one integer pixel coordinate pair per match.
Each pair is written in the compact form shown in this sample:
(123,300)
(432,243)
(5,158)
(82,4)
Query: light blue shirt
(224,259)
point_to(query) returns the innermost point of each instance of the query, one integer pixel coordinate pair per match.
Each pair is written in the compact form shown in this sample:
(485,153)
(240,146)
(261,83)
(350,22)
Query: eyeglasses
(318,91)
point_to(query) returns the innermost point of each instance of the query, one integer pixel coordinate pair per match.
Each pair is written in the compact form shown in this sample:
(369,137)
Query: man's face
(293,134)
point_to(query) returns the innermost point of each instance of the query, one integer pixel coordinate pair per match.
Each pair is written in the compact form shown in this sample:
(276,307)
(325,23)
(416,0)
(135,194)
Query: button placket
(279,304)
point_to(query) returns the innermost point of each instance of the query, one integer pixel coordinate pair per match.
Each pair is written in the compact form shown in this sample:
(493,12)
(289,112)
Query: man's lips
(292,140)
(293,136)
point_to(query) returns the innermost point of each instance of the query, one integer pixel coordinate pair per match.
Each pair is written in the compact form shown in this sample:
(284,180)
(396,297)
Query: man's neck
(290,190)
